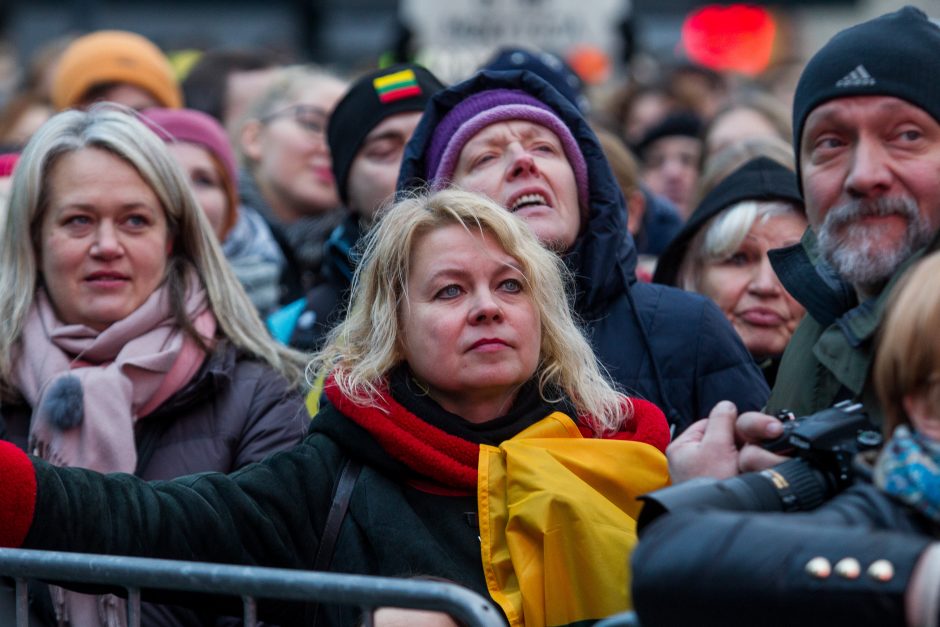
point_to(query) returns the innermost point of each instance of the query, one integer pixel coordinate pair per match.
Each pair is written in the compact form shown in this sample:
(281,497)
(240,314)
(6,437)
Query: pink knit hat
(195,127)
(485,108)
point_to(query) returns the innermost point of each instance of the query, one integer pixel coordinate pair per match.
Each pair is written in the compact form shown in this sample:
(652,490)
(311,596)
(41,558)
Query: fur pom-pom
(63,403)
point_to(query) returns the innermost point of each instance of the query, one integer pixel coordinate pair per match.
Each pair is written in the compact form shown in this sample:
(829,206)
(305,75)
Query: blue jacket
(304,323)
(670,347)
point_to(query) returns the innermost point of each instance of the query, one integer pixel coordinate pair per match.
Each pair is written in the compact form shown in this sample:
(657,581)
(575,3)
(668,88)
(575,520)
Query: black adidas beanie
(372,98)
(897,54)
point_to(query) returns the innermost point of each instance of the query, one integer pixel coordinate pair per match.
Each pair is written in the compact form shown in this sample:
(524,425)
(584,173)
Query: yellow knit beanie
(112,56)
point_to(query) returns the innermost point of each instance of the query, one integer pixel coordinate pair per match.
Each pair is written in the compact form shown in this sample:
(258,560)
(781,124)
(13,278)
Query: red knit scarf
(452,461)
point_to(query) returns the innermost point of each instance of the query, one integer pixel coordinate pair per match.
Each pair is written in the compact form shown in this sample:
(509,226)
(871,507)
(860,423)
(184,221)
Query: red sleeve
(647,425)
(17,495)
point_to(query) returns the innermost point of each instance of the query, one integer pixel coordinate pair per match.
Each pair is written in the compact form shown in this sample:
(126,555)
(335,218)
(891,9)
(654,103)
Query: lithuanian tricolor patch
(392,87)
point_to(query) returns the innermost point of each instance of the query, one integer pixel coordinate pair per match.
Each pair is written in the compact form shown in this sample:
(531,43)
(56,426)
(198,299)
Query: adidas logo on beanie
(897,54)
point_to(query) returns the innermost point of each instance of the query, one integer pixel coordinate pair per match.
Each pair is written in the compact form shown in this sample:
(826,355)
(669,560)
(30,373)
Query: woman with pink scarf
(127,344)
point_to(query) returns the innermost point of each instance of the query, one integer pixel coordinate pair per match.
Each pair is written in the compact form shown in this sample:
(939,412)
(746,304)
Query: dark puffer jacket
(234,412)
(673,348)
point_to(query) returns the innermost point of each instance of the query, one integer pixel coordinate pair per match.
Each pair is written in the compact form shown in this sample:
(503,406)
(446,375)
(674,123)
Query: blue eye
(450,291)
(512,286)
(78,220)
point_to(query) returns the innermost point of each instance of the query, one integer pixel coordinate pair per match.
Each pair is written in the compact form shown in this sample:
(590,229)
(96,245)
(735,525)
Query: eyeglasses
(309,117)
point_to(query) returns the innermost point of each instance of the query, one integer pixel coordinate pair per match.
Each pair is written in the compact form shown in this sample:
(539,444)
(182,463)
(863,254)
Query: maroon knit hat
(480,110)
(193,127)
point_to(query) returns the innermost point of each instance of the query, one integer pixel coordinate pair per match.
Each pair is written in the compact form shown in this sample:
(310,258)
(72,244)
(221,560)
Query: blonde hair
(118,131)
(366,346)
(907,356)
(289,84)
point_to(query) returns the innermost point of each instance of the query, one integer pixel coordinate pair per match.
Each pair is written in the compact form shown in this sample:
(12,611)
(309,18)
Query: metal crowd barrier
(625,619)
(246,582)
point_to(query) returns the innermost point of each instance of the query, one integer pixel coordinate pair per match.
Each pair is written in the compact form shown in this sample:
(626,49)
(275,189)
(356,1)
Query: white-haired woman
(127,344)
(465,409)
(721,252)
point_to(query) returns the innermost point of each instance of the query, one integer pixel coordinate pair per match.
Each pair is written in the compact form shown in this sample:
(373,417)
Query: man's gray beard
(858,253)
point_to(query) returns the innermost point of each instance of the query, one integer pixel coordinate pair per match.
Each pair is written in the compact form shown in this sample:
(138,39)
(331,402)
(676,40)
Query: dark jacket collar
(811,281)
(604,257)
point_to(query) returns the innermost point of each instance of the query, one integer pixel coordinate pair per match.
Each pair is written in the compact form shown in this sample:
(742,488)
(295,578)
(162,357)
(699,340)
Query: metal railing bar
(249,611)
(133,607)
(22,603)
(253,581)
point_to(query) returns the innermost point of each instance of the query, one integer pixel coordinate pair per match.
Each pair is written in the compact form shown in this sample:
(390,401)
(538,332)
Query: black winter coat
(673,348)
(400,523)
(695,567)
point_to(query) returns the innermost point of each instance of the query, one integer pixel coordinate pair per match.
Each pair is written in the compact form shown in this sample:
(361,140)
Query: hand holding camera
(823,446)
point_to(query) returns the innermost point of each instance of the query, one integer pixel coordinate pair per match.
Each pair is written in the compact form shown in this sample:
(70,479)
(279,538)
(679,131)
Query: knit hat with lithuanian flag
(372,98)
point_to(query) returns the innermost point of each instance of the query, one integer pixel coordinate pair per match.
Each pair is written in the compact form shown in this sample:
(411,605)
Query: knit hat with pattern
(370,100)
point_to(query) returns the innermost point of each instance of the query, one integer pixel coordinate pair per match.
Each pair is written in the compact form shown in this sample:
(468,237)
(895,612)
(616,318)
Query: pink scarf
(88,388)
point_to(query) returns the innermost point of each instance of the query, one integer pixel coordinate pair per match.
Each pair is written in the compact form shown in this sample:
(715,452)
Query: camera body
(827,440)
(823,446)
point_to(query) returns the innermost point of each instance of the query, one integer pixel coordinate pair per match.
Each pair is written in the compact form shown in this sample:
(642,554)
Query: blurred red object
(737,37)
(7,162)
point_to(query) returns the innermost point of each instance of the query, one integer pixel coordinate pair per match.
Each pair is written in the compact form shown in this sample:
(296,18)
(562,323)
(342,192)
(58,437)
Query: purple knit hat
(480,110)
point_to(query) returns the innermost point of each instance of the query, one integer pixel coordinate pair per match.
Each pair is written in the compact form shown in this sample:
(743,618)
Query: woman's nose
(522,164)
(764,280)
(107,242)
(485,308)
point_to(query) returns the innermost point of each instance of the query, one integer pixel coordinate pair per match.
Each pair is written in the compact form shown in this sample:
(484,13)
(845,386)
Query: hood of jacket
(603,258)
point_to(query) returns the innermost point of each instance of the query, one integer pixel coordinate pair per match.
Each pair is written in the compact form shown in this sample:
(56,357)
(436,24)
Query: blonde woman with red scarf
(127,344)
(469,419)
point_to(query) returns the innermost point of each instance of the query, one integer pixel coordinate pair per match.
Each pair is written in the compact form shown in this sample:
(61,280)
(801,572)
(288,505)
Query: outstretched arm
(266,514)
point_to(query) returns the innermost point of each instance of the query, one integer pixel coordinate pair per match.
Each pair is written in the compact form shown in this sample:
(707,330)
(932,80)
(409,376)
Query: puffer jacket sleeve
(732,568)
(276,417)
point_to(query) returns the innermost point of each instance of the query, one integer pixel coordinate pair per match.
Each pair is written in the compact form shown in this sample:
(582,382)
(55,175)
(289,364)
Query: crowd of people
(262,312)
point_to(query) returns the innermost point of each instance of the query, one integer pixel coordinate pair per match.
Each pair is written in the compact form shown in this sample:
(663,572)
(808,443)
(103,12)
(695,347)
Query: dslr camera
(823,446)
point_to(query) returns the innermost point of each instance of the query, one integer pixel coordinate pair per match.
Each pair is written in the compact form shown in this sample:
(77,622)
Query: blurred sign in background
(599,37)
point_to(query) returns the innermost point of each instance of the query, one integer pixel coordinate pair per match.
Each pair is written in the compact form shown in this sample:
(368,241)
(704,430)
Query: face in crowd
(373,173)
(104,240)
(523,167)
(671,169)
(206,181)
(470,328)
(870,167)
(125,94)
(291,160)
(748,291)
